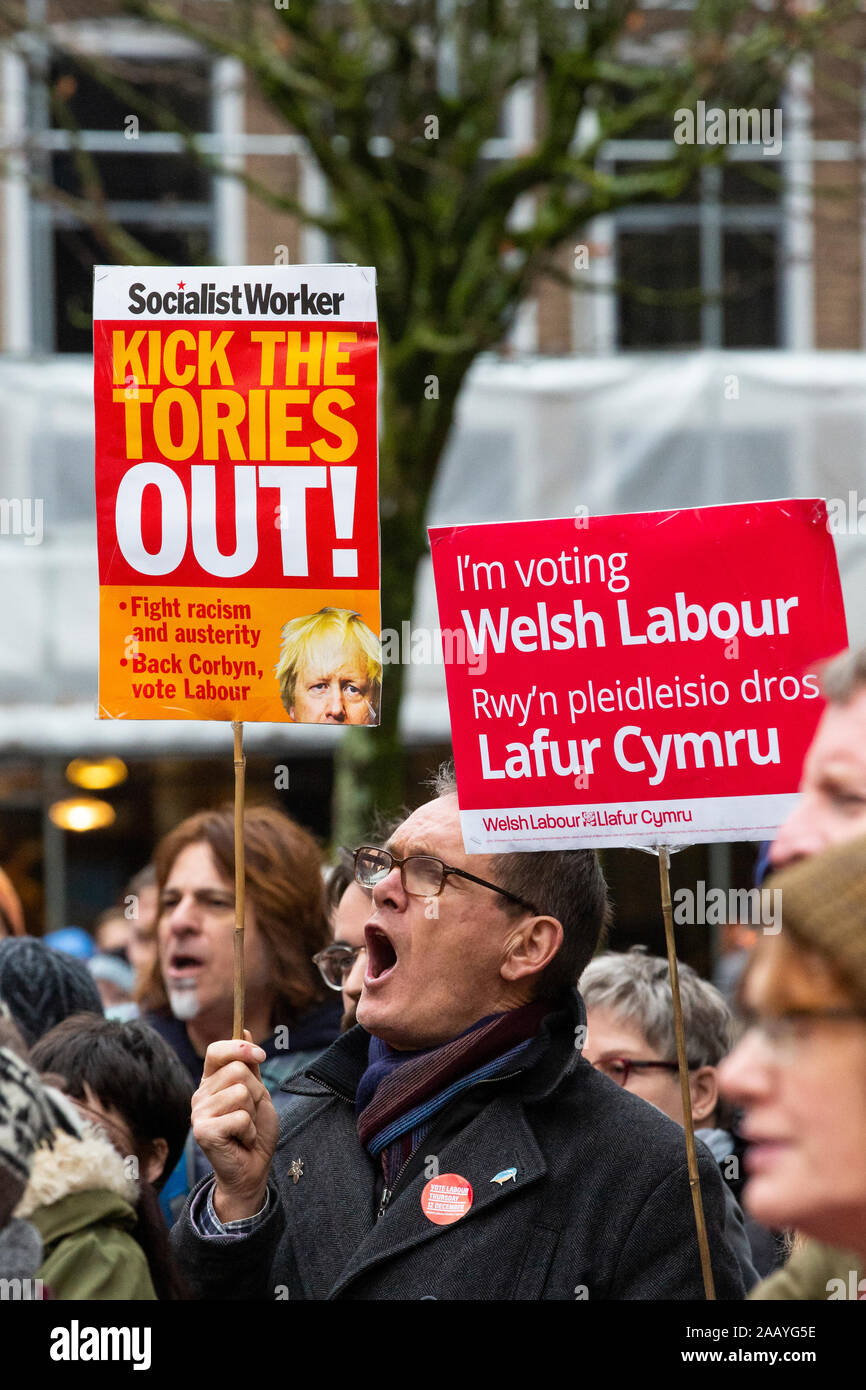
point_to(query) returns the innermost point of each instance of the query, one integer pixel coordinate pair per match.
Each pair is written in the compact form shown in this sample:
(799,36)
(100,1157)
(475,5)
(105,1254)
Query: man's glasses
(422,875)
(619,1069)
(336,964)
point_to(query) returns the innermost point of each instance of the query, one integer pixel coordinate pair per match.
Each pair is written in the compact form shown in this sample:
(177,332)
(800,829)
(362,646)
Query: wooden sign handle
(240,880)
(683,1063)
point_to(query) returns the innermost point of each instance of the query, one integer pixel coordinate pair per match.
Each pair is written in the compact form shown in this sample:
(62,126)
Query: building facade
(611,393)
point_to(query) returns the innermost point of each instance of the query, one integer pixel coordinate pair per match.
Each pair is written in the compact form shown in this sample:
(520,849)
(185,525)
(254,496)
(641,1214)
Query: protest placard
(236,493)
(635,680)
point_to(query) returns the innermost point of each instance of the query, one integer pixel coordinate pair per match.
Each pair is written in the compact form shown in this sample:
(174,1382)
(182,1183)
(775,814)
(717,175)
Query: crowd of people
(448,1086)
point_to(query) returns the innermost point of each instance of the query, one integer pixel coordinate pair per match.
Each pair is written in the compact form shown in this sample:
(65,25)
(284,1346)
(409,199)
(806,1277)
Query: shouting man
(455,1144)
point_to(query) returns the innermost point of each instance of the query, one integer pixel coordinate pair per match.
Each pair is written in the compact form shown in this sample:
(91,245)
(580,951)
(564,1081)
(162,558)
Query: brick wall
(838,218)
(838,261)
(269,227)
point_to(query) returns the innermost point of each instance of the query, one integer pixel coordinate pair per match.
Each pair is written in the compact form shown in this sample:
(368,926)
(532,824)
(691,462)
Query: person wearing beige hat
(799,1075)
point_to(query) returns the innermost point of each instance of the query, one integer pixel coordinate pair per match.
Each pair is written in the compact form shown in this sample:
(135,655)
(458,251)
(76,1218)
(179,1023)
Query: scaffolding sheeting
(534,438)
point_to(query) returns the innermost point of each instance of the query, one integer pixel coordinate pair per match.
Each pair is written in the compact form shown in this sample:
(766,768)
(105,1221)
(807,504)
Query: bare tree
(399,103)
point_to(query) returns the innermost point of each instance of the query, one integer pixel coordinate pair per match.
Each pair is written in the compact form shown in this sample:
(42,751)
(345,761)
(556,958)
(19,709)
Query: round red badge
(446,1198)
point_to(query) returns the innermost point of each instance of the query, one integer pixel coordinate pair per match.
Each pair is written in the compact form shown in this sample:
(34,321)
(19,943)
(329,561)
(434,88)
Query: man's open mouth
(381,956)
(184,966)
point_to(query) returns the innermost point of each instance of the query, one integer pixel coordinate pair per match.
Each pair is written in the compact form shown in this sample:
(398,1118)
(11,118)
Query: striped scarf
(400,1093)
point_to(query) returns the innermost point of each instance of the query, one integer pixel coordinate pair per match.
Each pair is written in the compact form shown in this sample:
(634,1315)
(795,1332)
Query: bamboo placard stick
(240,765)
(682,1060)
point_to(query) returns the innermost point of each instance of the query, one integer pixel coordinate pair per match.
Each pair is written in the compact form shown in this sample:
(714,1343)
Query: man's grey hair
(844,676)
(637,988)
(443,781)
(566,884)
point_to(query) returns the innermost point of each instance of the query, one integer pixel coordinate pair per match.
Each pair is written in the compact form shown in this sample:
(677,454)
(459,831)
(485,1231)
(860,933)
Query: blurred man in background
(140,901)
(831,806)
(189,996)
(190,993)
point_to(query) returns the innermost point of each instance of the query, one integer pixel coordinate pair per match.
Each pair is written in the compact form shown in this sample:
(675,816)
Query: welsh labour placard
(635,680)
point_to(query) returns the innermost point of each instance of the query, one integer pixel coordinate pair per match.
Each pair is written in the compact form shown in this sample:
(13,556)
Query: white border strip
(111,285)
(517,829)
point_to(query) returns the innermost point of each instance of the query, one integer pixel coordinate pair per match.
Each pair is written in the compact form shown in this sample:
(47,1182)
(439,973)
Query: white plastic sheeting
(539,438)
(534,438)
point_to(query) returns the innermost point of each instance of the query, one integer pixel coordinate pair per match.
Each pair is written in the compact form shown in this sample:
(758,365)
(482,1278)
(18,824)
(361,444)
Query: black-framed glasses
(619,1069)
(422,875)
(336,963)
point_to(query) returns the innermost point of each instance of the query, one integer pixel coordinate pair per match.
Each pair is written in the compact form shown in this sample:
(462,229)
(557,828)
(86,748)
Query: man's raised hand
(236,1126)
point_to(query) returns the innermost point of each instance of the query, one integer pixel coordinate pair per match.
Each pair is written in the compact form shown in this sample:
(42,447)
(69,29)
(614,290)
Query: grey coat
(599,1207)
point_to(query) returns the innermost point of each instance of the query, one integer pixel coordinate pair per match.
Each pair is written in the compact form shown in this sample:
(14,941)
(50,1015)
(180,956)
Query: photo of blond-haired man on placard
(330,669)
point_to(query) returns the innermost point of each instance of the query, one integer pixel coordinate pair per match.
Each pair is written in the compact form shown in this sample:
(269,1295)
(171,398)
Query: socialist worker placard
(643,679)
(236,493)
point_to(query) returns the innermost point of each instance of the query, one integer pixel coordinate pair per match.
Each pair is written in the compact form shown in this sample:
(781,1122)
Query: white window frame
(791,218)
(28,223)
(17,275)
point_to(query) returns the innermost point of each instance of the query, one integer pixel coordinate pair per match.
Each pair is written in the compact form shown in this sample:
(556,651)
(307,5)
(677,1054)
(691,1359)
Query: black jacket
(313,1032)
(599,1207)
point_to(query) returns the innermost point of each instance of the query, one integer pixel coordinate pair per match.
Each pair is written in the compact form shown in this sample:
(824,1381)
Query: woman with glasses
(799,1075)
(630,1037)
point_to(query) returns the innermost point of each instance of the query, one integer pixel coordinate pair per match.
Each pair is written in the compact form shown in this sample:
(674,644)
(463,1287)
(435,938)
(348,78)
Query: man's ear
(530,947)
(704,1086)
